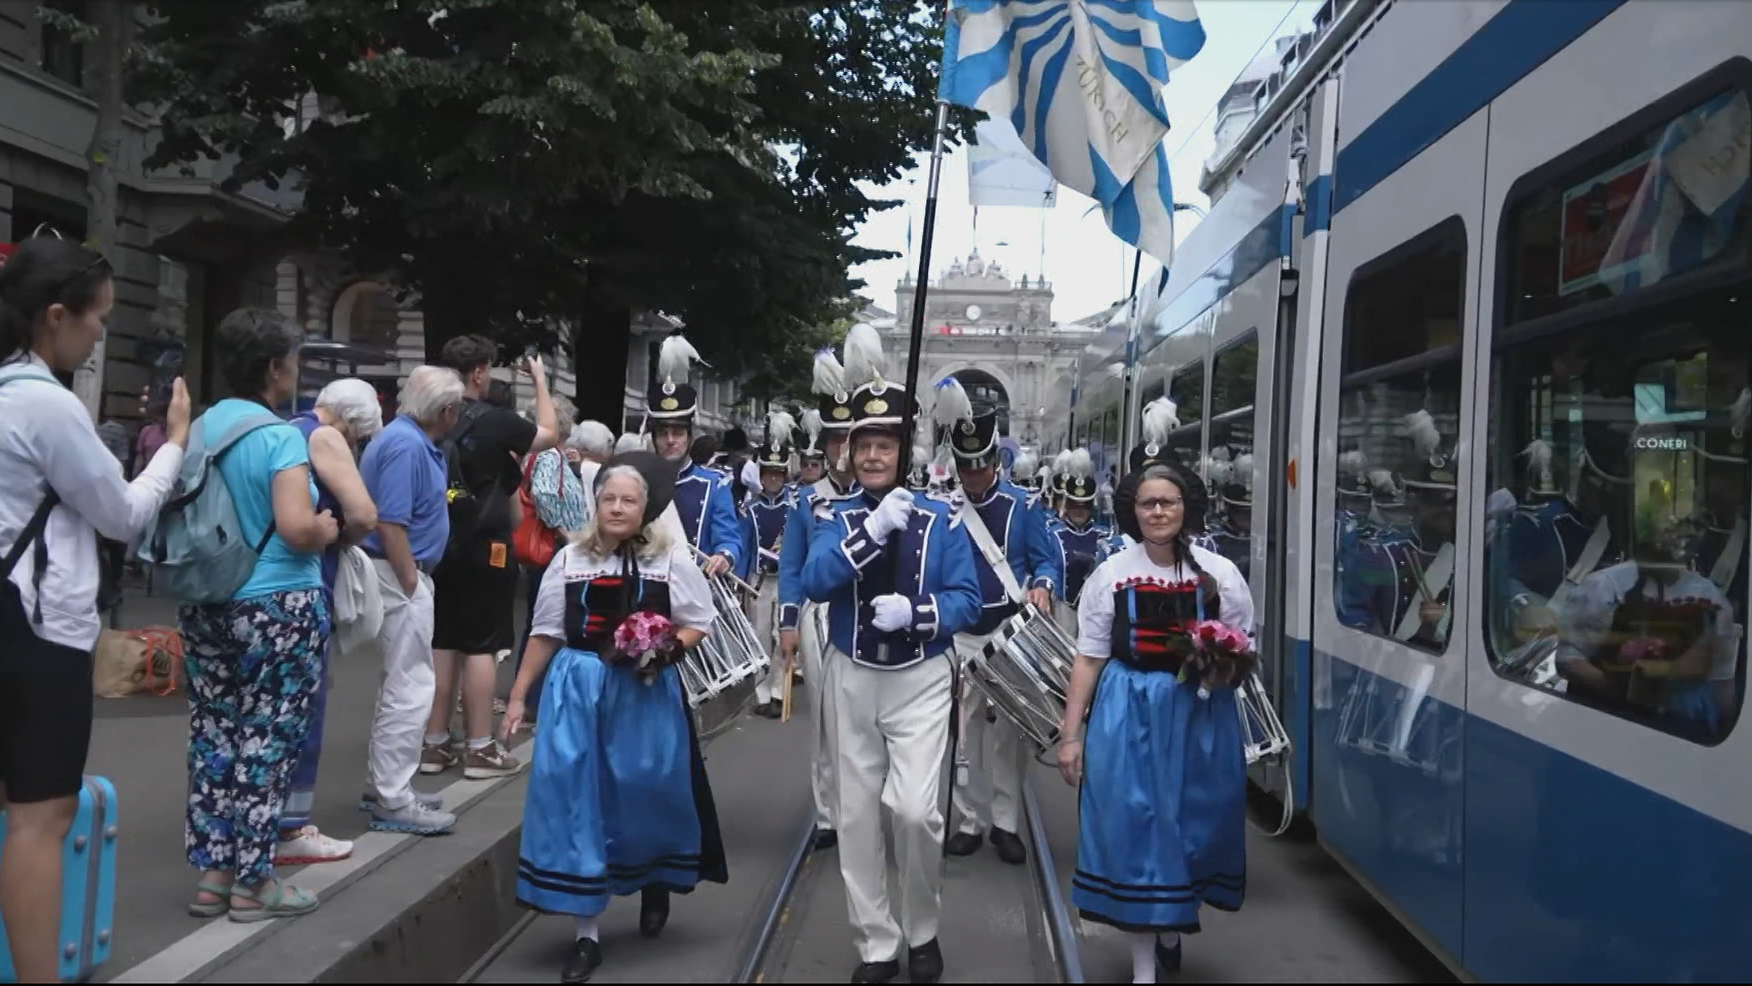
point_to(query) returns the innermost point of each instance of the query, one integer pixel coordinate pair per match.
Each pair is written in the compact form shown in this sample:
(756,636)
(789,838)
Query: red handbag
(534,542)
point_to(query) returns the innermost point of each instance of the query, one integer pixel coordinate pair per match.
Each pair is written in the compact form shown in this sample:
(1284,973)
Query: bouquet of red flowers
(648,642)
(1220,656)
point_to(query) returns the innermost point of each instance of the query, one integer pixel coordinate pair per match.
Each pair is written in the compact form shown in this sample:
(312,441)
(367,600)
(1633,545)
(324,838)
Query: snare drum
(1262,734)
(720,674)
(1024,670)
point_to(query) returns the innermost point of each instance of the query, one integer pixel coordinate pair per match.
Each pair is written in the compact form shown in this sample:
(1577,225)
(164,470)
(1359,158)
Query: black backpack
(465,507)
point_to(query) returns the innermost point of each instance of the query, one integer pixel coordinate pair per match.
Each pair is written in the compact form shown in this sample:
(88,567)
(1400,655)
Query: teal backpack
(195,547)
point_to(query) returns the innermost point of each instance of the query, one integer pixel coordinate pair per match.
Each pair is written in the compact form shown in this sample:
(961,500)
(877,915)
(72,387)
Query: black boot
(582,961)
(925,963)
(962,844)
(770,709)
(826,838)
(876,972)
(1167,959)
(653,911)
(1009,847)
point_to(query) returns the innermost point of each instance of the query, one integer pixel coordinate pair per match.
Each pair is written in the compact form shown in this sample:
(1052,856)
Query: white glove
(893,612)
(890,515)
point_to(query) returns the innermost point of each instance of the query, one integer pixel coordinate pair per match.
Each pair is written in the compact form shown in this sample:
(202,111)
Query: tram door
(1391,569)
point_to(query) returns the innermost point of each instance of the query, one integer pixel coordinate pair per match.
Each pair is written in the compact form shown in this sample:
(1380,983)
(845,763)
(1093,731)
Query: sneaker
(368,800)
(490,761)
(414,818)
(437,759)
(310,846)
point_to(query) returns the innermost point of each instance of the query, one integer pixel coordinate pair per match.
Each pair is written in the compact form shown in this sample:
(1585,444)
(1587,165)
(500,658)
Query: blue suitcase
(88,886)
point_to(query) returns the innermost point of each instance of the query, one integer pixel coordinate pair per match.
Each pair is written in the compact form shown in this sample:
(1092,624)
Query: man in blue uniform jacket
(827,474)
(767,511)
(1078,535)
(899,579)
(1018,561)
(703,501)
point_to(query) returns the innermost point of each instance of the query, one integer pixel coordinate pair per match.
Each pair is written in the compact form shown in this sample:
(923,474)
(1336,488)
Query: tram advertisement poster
(1593,212)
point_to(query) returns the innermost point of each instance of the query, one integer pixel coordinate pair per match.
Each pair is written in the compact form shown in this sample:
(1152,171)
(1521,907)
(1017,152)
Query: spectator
(346,414)
(404,472)
(475,588)
(564,506)
(254,662)
(151,436)
(59,492)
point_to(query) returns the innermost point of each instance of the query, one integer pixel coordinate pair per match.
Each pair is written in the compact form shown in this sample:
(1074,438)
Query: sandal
(285,902)
(212,908)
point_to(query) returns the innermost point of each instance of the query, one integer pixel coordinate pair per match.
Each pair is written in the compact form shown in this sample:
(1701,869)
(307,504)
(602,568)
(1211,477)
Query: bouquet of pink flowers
(648,642)
(1220,656)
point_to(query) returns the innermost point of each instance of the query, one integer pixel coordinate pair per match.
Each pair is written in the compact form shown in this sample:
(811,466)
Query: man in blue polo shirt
(404,470)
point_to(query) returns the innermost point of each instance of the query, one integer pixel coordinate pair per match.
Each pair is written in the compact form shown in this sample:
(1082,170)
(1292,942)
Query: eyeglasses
(1160,505)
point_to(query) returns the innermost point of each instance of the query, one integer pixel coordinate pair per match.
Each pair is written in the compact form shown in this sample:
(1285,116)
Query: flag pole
(932,184)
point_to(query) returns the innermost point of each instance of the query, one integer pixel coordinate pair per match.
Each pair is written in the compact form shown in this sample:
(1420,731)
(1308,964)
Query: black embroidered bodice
(597,605)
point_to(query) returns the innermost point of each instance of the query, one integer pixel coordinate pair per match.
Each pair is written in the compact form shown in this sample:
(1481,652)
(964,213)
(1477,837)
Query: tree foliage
(514,162)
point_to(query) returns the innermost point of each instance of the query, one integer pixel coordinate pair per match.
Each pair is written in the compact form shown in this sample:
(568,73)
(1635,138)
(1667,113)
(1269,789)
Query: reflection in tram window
(1398,424)
(1617,574)
(1229,468)
(1186,387)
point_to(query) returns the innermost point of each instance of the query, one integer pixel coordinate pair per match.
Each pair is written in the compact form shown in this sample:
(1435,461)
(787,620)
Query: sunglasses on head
(100,261)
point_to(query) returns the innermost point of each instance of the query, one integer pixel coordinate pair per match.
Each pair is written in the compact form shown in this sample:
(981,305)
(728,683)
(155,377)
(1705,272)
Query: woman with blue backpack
(59,491)
(255,620)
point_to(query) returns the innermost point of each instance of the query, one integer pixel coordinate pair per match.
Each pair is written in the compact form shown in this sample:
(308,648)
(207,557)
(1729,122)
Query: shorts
(45,710)
(473,599)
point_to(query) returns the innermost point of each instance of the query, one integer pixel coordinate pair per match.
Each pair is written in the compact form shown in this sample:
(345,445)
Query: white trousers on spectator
(766,623)
(817,672)
(994,750)
(404,699)
(892,733)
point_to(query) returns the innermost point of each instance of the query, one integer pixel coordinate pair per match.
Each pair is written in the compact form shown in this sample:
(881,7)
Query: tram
(1463,353)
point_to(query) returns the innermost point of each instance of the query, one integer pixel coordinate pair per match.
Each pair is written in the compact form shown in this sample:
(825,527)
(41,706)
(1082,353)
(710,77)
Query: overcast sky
(1089,267)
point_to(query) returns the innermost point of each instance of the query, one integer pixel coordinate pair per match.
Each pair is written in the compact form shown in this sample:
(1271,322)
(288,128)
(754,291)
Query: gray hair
(428,392)
(631,442)
(592,438)
(653,540)
(355,402)
(564,412)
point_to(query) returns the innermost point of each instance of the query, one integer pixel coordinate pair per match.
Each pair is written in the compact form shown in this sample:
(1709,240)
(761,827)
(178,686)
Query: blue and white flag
(1081,83)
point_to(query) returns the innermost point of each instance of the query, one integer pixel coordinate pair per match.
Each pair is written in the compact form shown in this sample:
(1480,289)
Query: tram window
(1186,387)
(1668,199)
(1616,555)
(1398,421)
(1230,468)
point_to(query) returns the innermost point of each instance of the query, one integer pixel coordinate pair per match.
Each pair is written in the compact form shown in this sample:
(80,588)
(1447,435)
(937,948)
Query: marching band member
(1012,549)
(703,503)
(618,798)
(900,582)
(1162,772)
(1061,465)
(768,510)
(1079,536)
(827,426)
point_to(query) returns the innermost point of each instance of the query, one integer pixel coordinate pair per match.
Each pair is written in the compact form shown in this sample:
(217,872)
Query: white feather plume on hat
(1061,463)
(812,425)
(1425,437)
(866,363)
(1161,416)
(1242,472)
(780,428)
(1045,474)
(675,358)
(830,376)
(1740,411)
(1539,457)
(1220,468)
(1025,465)
(1354,464)
(1080,464)
(953,405)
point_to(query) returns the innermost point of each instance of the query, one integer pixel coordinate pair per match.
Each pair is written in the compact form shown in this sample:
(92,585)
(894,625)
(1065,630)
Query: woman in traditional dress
(618,799)
(1162,769)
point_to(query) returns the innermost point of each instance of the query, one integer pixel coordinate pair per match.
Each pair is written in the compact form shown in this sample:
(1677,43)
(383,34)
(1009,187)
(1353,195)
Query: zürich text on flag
(1081,82)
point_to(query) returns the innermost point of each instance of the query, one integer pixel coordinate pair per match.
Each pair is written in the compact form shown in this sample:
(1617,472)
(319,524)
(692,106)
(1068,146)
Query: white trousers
(893,731)
(404,699)
(766,630)
(994,752)
(817,673)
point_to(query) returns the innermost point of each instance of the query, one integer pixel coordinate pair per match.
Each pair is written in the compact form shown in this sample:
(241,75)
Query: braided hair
(1195,500)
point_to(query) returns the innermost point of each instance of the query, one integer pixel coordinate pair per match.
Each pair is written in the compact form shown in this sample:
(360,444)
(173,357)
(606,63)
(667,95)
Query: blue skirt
(1163,804)
(618,799)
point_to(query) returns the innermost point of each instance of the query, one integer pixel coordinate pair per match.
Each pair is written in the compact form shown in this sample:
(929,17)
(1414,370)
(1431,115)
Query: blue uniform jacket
(799,526)
(934,569)
(708,514)
(767,517)
(1021,535)
(1079,552)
